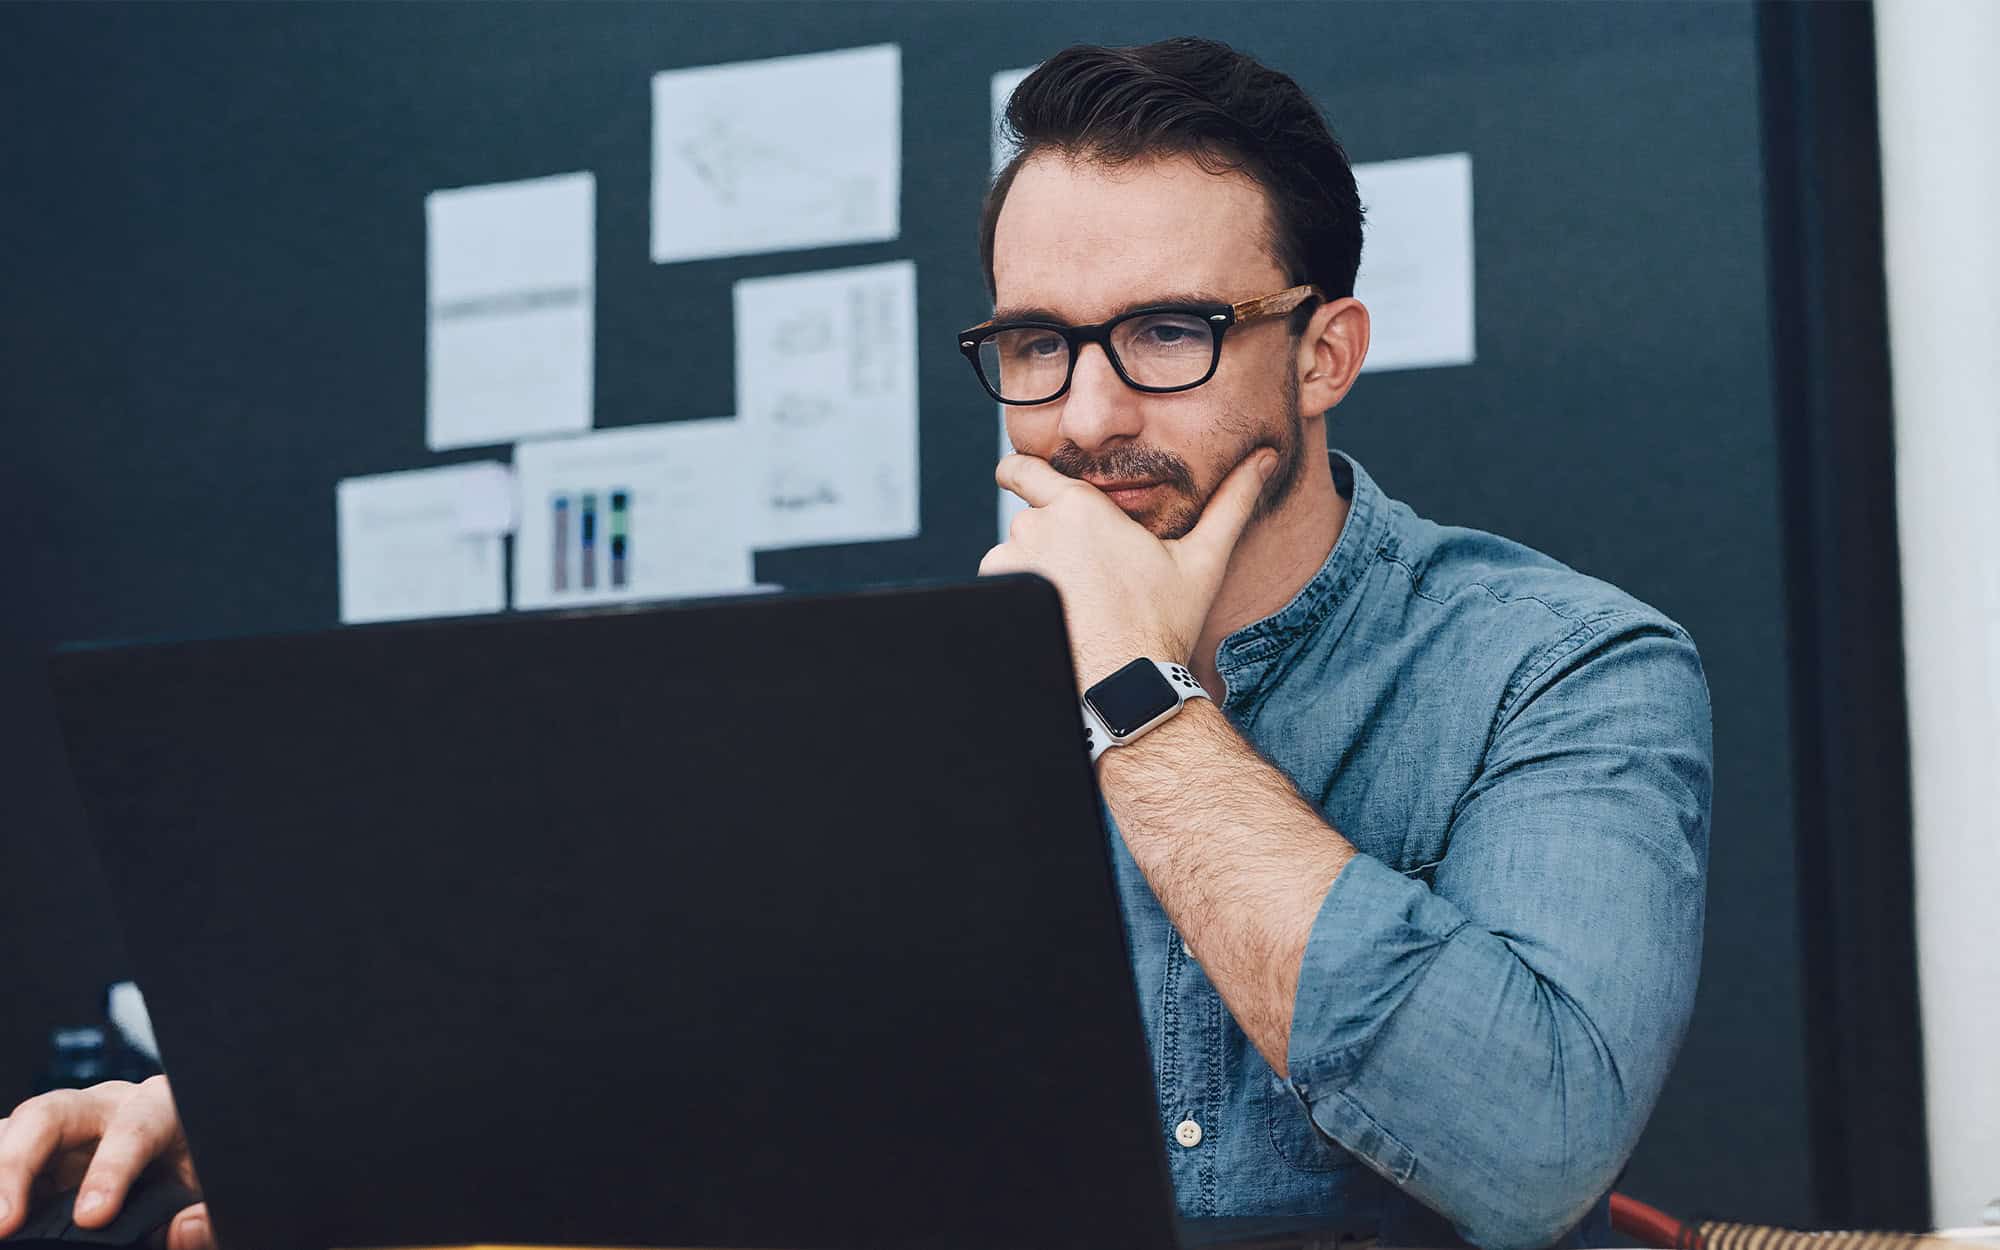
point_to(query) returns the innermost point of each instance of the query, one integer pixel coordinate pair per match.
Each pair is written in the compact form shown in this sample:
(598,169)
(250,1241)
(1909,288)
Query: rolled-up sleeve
(1494,1041)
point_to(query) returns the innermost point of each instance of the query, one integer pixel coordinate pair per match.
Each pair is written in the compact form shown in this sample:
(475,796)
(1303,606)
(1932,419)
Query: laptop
(748,922)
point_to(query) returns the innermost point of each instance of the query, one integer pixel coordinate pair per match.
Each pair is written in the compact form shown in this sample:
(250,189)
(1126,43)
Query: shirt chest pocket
(1295,1137)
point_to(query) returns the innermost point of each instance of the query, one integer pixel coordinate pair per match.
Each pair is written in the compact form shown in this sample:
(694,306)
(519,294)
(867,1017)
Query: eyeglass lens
(1031,363)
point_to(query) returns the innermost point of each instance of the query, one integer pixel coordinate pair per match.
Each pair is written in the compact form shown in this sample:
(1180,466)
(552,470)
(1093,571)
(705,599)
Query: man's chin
(1173,520)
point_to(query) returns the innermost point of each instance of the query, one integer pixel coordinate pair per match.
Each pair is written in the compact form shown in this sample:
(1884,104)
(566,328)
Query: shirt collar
(1245,650)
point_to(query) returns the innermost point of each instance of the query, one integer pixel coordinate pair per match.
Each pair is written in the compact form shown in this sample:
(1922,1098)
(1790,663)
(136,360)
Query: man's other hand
(97,1141)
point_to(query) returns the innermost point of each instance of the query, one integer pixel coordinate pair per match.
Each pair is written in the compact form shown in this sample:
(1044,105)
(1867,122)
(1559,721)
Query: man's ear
(1331,350)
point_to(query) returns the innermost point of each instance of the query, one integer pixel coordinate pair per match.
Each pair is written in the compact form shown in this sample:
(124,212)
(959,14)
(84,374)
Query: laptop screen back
(754,922)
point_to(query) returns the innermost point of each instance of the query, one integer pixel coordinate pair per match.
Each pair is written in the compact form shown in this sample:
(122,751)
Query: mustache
(1124,464)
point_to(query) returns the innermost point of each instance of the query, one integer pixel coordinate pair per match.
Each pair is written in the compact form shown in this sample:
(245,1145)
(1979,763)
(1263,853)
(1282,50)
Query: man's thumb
(190,1230)
(1230,508)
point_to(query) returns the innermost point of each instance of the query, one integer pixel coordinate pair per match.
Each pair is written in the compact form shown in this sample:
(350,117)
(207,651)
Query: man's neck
(1275,557)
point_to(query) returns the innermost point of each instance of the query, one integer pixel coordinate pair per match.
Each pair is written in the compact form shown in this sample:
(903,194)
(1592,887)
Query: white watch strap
(1179,680)
(1095,735)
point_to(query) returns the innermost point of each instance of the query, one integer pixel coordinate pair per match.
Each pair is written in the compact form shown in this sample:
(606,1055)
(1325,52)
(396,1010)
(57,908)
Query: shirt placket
(1191,1077)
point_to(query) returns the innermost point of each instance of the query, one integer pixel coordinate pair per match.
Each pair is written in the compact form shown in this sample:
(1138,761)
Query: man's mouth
(1122,492)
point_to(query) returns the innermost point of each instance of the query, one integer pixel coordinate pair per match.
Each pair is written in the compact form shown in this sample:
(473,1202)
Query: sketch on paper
(826,383)
(771,155)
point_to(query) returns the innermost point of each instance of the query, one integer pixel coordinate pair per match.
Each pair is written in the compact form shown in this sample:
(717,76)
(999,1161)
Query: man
(1414,899)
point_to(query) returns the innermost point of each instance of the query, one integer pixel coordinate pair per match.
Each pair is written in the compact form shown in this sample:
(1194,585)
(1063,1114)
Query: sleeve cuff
(1376,935)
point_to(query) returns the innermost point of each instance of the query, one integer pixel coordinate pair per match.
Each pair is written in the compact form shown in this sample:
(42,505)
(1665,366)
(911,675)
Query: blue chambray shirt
(1495,987)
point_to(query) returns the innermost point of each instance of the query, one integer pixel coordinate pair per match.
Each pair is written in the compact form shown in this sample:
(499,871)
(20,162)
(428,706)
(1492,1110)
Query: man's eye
(1166,333)
(1042,346)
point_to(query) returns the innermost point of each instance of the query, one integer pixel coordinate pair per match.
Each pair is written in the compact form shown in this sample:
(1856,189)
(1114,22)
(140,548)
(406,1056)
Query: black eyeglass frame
(1219,317)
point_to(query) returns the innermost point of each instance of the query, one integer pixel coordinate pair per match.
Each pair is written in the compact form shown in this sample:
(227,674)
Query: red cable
(1649,1226)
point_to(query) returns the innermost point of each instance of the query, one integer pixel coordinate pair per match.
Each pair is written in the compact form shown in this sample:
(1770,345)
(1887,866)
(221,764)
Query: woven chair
(1651,1226)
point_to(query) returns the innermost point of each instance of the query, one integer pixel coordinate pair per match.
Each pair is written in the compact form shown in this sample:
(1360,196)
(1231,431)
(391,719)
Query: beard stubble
(1176,517)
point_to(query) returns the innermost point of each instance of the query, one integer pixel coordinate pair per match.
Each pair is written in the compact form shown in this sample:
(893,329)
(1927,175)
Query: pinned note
(426,542)
(770,155)
(512,300)
(826,384)
(1416,263)
(639,512)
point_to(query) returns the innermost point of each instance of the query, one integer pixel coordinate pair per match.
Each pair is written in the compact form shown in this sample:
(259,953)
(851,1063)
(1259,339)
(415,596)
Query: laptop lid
(747,922)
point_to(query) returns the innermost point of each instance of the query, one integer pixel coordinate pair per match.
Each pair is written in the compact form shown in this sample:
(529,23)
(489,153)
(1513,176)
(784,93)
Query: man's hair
(1201,99)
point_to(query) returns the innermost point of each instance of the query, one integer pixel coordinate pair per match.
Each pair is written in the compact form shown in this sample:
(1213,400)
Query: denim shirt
(1495,987)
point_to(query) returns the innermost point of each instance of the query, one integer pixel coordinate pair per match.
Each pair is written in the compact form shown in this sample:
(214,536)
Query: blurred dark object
(1864,1059)
(76,1060)
(83,1055)
(56,926)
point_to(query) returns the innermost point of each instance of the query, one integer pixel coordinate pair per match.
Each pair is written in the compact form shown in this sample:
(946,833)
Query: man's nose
(1099,406)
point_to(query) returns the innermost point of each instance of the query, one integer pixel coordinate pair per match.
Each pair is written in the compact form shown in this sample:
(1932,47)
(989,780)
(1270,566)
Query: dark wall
(217,311)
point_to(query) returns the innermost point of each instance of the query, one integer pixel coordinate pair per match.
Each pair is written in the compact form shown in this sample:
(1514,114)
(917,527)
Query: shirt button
(1186,950)
(1188,1134)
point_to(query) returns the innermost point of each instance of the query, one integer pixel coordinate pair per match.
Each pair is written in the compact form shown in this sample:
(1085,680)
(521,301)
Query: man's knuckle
(26,1118)
(29,1125)
(61,1103)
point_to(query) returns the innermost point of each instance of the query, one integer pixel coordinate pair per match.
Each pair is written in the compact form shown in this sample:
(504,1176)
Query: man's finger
(136,1133)
(35,1131)
(1229,509)
(190,1230)
(1034,480)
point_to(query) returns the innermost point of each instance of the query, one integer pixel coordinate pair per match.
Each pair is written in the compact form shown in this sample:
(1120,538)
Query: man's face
(1086,242)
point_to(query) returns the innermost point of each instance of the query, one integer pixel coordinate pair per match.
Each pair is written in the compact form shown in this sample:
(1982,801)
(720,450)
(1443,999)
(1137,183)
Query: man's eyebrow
(1037,313)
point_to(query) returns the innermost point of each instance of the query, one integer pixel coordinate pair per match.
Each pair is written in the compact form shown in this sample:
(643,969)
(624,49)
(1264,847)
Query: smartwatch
(1133,700)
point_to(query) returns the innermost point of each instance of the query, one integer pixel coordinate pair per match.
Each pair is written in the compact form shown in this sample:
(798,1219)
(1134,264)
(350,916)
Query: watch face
(1130,697)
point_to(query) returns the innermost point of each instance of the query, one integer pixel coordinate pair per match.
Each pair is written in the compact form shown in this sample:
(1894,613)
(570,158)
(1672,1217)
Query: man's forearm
(1239,861)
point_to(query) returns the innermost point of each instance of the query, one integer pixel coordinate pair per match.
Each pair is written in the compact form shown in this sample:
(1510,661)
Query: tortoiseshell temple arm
(1274,305)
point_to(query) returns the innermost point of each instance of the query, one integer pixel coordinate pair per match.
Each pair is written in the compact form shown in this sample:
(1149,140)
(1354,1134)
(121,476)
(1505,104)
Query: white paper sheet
(1003,86)
(643,512)
(1416,262)
(826,379)
(424,542)
(765,156)
(512,300)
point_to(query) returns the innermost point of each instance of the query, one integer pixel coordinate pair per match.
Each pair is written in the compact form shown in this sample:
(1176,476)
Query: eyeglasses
(1157,349)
